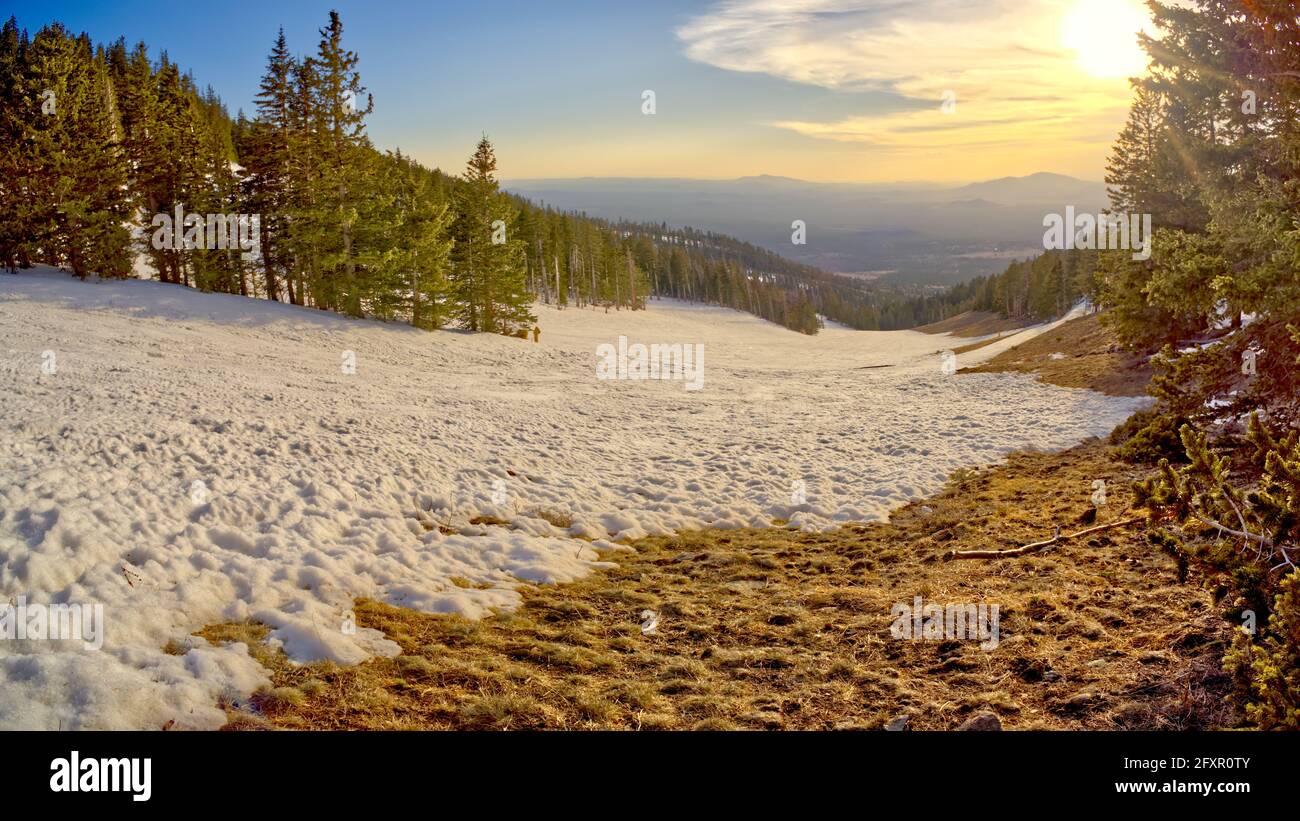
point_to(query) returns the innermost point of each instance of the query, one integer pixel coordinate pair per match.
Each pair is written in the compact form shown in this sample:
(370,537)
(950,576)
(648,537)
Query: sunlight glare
(1103,36)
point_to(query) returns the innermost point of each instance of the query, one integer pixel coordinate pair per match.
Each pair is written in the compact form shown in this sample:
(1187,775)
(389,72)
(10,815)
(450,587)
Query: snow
(1006,343)
(200,458)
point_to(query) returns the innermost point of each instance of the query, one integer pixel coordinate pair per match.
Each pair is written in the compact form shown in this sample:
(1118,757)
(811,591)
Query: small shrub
(1148,436)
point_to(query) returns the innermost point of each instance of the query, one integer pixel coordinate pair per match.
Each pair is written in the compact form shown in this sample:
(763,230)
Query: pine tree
(299,244)
(70,161)
(1245,536)
(219,198)
(17,226)
(488,270)
(268,151)
(172,169)
(327,219)
(422,245)
(98,240)
(137,95)
(1130,174)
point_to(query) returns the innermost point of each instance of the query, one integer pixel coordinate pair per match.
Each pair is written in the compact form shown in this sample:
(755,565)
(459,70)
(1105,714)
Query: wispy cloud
(1015,82)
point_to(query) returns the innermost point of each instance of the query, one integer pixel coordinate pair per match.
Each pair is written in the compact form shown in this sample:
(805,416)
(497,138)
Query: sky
(824,90)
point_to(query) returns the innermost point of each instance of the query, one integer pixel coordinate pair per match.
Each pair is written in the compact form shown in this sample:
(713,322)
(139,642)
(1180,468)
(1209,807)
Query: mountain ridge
(922,233)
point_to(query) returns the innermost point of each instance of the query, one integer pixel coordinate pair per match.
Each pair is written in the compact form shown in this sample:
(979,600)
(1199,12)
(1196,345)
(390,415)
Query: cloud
(1013,81)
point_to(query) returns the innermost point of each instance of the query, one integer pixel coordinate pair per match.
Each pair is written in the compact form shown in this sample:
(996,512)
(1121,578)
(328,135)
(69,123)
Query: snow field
(197,458)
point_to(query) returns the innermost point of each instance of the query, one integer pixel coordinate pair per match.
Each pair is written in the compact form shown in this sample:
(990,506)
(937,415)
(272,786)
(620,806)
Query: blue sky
(805,88)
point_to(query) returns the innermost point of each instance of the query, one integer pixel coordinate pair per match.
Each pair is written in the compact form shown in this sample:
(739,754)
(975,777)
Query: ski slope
(198,458)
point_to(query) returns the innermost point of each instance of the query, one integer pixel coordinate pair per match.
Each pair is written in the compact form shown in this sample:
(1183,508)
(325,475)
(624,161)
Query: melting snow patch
(186,459)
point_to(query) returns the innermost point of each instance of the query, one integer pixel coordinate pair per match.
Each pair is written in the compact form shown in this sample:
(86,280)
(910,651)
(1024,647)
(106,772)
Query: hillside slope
(186,458)
(1081,353)
(779,629)
(974,323)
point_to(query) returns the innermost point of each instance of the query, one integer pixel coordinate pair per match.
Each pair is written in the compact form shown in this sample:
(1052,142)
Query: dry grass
(774,629)
(974,323)
(561,520)
(975,346)
(1092,360)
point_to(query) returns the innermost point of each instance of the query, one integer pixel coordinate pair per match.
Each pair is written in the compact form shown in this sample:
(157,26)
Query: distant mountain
(1037,188)
(902,232)
(769,180)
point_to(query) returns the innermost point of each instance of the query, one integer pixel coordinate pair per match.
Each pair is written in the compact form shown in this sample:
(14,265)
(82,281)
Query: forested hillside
(95,139)
(1039,289)
(1212,151)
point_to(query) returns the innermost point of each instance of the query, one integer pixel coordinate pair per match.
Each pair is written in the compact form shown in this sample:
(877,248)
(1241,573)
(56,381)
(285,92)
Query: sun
(1103,36)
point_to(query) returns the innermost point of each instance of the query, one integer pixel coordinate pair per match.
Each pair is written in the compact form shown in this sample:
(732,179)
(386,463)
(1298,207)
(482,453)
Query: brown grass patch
(778,629)
(1093,359)
(974,323)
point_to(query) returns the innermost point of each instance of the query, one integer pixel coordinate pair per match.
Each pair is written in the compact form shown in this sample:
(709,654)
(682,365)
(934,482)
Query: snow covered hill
(185,458)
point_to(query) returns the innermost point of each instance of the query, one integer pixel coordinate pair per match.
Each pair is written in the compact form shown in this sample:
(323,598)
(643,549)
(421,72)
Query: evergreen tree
(1131,173)
(17,225)
(268,148)
(326,215)
(422,245)
(70,161)
(488,276)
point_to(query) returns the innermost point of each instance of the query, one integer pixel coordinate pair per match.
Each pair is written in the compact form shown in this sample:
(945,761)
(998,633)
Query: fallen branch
(1036,546)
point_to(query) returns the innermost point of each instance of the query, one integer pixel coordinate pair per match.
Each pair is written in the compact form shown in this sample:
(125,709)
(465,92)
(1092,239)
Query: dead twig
(1241,534)
(1036,546)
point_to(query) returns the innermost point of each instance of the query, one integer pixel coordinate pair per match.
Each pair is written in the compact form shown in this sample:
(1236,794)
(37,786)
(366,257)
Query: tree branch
(1036,546)
(1241,534)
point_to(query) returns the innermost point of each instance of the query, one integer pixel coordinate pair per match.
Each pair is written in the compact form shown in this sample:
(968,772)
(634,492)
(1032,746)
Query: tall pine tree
(488,273)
